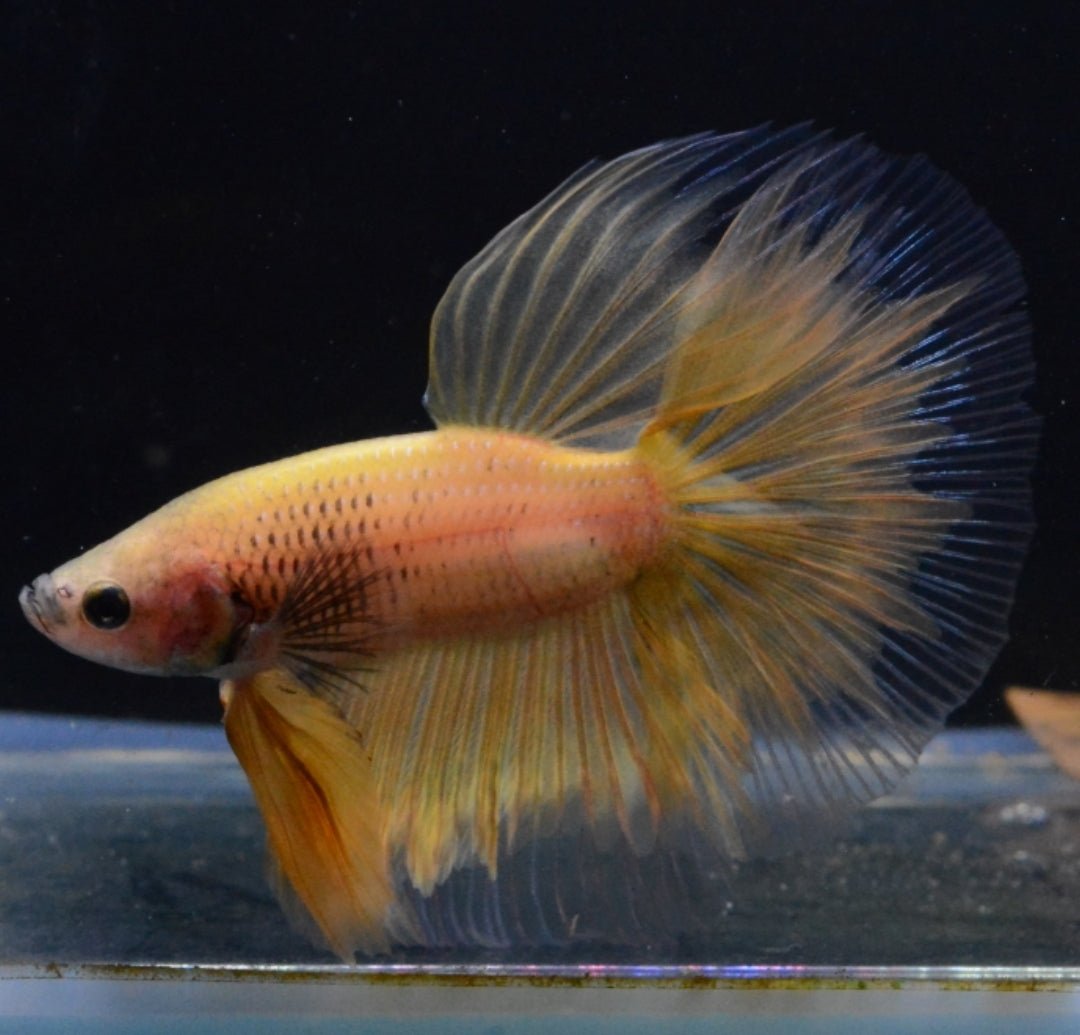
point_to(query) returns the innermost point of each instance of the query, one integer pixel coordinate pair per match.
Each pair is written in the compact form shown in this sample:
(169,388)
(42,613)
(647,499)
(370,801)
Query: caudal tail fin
(842,434)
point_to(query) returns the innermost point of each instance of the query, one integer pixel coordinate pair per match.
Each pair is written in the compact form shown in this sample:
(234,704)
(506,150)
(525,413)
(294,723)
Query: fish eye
(106,606)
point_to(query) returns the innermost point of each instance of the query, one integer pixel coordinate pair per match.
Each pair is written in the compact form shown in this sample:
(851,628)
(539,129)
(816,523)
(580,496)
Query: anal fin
(585,724)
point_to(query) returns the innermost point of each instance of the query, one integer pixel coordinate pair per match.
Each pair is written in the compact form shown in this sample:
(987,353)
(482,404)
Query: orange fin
(311,777)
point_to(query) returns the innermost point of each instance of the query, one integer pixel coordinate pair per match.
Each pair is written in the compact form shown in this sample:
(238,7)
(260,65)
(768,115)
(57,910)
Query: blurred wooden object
(1052,717)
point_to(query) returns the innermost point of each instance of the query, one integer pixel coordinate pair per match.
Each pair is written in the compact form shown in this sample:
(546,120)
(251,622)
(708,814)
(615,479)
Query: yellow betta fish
(721,517)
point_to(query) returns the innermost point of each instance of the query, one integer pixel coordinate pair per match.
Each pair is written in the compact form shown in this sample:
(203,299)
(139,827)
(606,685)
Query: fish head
(142,604)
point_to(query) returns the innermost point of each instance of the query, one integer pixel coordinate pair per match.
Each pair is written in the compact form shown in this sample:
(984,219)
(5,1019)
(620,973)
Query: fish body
(431,535)
(721,517)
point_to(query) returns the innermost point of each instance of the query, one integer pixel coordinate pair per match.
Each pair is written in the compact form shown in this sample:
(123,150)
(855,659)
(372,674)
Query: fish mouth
(41,605)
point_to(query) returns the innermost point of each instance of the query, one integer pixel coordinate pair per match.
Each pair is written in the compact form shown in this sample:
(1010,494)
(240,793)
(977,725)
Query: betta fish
(721,517)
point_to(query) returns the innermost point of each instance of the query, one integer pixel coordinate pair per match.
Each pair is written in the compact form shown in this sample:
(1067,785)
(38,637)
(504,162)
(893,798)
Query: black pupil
(107,607)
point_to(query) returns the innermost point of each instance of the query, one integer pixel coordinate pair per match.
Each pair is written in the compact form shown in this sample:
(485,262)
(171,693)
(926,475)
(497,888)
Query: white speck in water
(1024,813)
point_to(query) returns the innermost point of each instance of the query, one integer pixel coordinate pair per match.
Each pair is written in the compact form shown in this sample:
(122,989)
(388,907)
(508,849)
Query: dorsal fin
(562,325)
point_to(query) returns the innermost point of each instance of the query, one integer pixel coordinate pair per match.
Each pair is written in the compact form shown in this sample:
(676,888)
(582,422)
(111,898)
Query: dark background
(224,231)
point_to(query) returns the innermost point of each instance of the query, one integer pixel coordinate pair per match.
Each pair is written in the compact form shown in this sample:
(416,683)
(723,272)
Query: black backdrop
(225,227)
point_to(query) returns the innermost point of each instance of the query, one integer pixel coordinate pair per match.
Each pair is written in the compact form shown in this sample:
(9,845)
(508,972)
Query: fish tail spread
(814,352)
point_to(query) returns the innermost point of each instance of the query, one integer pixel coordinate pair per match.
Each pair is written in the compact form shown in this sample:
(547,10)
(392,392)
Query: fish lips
(40,602)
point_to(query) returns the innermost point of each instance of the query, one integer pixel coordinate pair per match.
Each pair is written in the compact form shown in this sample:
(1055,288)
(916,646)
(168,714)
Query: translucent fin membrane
(544,786)
(563,890)
(561,326)
(857,505)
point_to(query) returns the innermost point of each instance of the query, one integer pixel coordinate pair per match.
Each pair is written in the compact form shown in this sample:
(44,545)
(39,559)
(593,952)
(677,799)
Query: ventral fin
(312,779)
